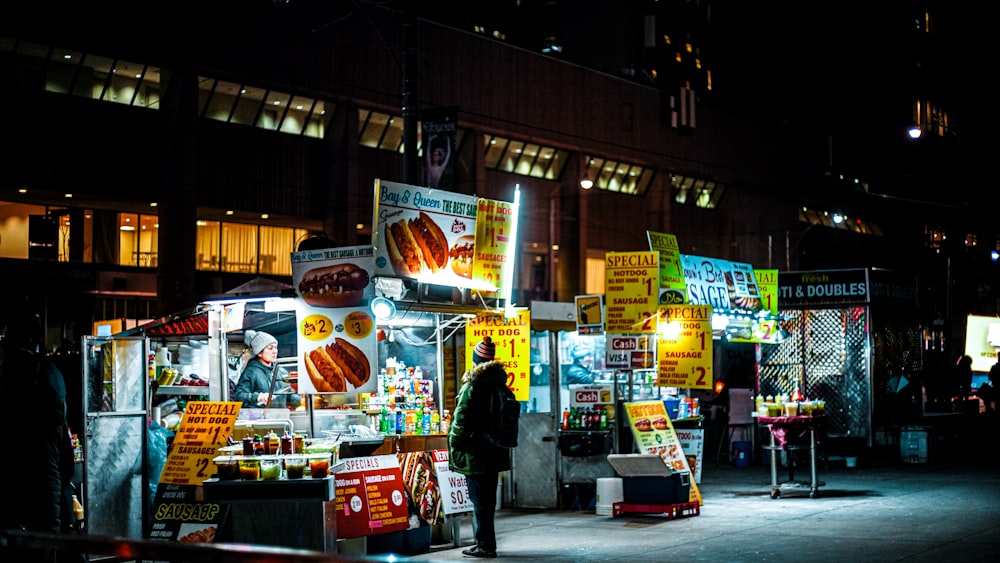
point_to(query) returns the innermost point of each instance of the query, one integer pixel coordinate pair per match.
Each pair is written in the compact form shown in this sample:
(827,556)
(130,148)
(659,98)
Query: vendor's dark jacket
(469,452)
(256,378)
(576,373)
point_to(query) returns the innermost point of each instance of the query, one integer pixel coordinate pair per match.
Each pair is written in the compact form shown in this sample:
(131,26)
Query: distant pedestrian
(962,381)
(470,453)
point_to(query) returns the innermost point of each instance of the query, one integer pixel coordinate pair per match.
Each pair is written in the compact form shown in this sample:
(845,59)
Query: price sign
(632,289)
(204,428)
(370,497)
(512,339)
(454,488)
(684,346)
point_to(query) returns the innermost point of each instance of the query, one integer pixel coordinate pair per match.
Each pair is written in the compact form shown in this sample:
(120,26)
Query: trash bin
(742,454)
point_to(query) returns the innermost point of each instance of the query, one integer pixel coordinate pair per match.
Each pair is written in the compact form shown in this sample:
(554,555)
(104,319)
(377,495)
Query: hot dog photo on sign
(336,329)
(425,234)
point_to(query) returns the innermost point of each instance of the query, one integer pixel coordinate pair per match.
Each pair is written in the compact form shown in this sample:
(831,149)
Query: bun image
(660,423)
(431,240)
(404,253)
(340,285)
(461,254)
(326,375)
(643,425)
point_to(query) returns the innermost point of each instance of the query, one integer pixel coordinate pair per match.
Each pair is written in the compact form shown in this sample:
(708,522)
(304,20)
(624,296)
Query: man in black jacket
(44,459)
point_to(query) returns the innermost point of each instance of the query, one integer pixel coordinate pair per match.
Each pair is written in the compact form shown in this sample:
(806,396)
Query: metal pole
(410,113)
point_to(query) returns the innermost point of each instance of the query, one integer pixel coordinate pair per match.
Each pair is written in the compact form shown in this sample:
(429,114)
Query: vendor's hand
(261,398)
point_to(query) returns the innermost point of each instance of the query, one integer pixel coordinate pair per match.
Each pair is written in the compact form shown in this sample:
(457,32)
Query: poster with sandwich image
(424,234)
(335,327)
(654,434)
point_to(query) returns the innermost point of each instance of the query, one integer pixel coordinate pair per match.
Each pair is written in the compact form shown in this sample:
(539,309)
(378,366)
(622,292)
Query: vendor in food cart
(579,371)
(262,380)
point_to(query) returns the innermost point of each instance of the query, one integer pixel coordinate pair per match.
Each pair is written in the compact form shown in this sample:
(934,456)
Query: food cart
(853,340)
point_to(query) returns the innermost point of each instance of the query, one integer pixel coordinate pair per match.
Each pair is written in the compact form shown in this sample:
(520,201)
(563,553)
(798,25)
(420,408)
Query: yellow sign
(684,346)
(589,314)
(632,290)
(204,427)
(512,338)
(767,285)
(672,287)
(494,231)
(655,434)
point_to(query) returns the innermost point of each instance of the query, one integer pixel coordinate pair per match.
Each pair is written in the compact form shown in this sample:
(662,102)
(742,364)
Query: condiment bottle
(286,443)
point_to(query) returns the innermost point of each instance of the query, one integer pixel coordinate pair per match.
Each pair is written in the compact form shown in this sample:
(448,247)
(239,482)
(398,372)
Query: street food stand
(852,339)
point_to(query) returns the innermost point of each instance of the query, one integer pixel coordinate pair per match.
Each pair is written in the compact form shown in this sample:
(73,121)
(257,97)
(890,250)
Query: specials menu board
(336,328)
(203,428)
(655,434)
(369,497)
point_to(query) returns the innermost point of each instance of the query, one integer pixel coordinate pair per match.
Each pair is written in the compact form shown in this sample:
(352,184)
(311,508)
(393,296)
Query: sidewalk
(946,510)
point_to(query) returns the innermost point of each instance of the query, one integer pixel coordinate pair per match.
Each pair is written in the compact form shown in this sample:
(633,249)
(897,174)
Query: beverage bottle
(426,421)
(565,419)
(435,421)
(446,421)
(383,425)
(400,421)
(604,419)
(162,361)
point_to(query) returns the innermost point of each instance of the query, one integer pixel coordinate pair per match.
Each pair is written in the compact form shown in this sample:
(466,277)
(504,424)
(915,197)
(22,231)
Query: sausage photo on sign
(419,479)
(404,253)
(340,285)
(325,374)
(431,240)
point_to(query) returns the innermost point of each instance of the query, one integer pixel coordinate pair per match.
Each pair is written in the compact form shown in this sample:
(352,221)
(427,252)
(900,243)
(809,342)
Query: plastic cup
(791,409)
(250,469)
(319,466)
(295,467)
(270,469)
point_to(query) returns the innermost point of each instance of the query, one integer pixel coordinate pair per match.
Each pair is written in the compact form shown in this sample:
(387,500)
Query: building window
(138,240)
(523,158)
(267,109)
(839,221)
(246,248)
(687,190)
(617,176)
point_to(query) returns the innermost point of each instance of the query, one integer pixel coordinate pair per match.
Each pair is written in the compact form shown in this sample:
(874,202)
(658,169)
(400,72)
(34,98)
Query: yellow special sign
(631,287)
(316,327)
(204,427)
(511,336)
(684,346)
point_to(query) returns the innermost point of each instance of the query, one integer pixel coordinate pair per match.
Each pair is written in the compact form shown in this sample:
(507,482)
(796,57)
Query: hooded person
(470,453)
(579,371)
(254,387)
(44,470)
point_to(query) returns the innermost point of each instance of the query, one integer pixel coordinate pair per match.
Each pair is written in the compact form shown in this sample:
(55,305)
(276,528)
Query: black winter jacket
(468,451)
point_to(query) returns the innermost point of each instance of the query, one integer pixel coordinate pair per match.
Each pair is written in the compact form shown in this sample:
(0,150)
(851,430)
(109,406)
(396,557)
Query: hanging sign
(336,328)
(589,314)
(684,346)
(496,223)
(424,234)
(631,290)
(204,427)
(630,351)
(767,283)
(672,286)
(513,347)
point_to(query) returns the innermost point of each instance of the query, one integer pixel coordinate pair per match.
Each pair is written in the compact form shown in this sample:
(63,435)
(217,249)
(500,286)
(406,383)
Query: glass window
(273,111)
(208,245)
(320,116)
(495,147)
(128,239)
(297,115)
(239,248)
(276,246)
(248,103)
(61,70)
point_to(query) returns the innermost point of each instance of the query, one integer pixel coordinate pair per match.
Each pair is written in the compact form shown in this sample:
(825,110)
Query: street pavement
(947,509)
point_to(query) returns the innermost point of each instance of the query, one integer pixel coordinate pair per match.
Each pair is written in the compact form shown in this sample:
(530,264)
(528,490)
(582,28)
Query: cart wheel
(813,494)
(775,493)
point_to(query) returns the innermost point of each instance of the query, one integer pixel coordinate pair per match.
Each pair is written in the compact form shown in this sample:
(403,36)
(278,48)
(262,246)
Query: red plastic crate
(670,511)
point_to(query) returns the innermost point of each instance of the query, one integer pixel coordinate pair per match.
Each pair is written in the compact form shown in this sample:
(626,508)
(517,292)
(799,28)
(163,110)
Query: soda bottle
(400,421)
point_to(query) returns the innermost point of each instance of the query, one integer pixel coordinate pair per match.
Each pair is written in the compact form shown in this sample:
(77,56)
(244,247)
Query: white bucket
(609,491)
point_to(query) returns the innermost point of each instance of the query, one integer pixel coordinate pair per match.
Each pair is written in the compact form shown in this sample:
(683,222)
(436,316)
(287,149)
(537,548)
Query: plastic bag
(157,448)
